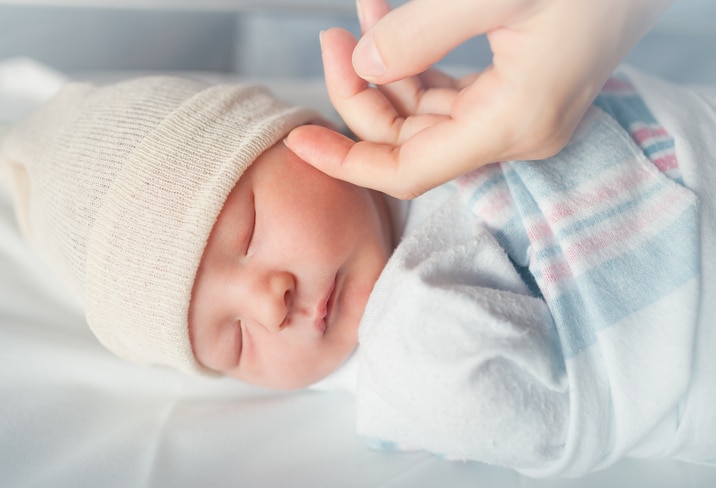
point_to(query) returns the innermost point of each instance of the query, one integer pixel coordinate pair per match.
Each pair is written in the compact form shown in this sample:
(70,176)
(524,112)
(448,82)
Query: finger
(373,114)
(319,147)
(418,159)
(482,130)
(412,37)
(370,12)
(419,101)
(431,92)
(466,80)
(337,155)
(364,109)
(407,95)
(404,94)
(435,78)
(365,164)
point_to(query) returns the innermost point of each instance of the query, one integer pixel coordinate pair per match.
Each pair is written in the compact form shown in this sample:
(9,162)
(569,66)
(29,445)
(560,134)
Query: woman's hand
(420,128)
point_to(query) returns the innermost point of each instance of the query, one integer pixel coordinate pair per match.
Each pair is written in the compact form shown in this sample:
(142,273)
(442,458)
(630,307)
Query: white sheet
(73,415)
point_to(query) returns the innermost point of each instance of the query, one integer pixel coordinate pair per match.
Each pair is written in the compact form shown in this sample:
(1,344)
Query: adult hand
(420,128)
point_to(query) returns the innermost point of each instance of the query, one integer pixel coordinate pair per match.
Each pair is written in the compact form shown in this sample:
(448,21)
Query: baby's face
(286,274)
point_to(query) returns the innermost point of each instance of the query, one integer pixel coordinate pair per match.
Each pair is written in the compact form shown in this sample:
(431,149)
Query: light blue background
(273,37)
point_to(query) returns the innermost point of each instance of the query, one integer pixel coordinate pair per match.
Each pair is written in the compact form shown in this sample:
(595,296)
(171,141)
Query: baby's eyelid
(252,226)
(239,340)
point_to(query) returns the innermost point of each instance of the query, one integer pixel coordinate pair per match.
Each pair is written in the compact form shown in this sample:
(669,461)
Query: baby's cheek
(289,366)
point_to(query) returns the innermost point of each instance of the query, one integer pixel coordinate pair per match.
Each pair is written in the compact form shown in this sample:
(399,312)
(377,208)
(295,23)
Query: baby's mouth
(325,309)
(330,301)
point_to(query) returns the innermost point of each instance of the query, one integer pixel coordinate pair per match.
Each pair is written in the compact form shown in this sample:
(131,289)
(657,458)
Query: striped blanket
(609,235)
(586,355)
(599,229)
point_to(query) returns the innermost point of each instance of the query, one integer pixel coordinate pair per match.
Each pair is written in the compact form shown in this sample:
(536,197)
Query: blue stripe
(569,169)
(621,211)
(628,109)
(639,275)
(607,294)
(497,180)
(658,146)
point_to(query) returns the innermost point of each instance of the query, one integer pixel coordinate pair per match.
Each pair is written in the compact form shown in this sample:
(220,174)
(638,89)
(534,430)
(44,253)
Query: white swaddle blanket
(461,356)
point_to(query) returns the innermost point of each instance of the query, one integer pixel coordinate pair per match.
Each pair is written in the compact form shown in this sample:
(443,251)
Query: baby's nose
(274,301)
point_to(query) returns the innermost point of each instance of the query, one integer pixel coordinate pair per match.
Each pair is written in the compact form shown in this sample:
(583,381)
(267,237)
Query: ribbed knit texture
(119,187)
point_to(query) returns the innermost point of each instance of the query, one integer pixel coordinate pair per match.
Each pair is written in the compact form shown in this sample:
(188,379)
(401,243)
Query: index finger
(367,111)
(403,171)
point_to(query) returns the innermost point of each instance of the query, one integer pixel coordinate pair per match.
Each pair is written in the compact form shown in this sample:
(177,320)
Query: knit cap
(119,186)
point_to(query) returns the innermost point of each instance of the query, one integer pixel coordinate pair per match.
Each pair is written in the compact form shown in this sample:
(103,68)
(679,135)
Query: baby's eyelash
(239,341)
(252,226)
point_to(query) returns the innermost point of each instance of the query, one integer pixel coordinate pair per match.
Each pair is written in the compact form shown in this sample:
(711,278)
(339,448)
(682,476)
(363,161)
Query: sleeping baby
(551,316)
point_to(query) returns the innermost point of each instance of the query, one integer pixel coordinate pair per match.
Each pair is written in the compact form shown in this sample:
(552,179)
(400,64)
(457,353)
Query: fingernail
(320,38)
(366,59)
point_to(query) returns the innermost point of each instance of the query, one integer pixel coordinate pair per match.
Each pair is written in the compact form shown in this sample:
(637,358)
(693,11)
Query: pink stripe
(622,230)
(607,191)
(467,181)
(492,205)
(539,231)
(556,275)
(667,163)
(615,85)
(644,135)
(476,177)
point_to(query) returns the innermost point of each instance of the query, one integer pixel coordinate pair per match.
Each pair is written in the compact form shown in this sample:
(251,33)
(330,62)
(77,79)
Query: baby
(192,235)
(546,316)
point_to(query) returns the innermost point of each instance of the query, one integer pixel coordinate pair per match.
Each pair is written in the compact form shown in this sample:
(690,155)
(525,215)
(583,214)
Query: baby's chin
(295,381)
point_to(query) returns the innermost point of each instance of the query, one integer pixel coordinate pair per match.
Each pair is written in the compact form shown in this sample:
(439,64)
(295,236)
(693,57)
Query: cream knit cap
(119,187)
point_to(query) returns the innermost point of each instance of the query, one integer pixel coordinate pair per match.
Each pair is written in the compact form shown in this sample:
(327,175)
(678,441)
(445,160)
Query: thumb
(414,36)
